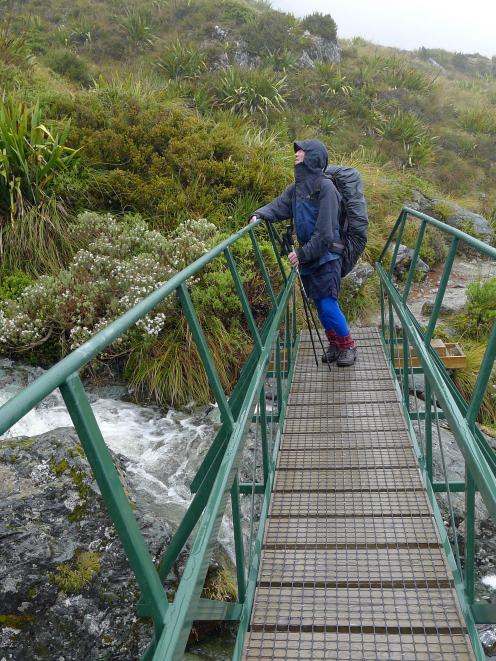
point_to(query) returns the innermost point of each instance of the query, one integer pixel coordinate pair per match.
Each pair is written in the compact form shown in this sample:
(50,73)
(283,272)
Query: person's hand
(253,219)
(293,258)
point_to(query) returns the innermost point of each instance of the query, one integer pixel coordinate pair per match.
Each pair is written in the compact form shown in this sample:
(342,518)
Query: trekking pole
(286,248)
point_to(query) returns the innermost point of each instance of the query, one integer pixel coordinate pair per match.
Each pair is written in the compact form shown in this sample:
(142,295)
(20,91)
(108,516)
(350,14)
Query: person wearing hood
(314,205)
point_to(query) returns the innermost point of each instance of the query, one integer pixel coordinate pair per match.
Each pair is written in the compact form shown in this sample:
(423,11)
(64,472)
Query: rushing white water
(163,451)
(490,581)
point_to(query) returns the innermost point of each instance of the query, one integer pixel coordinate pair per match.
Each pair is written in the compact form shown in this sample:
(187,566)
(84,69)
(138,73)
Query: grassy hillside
(162,113)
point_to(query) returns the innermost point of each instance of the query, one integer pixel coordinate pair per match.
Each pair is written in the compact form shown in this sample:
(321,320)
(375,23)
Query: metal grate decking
(352,567)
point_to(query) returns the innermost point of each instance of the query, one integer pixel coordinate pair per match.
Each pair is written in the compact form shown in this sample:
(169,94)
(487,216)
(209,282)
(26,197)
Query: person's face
(299,156)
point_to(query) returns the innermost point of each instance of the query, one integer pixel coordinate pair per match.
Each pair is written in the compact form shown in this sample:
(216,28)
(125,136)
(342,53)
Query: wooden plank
(393,610)
(338,504)
(367,410)
(349,531)
(369,567)
(346,425)
(343,396)
(379,479)
(325,459)
(346,440)
(339,646)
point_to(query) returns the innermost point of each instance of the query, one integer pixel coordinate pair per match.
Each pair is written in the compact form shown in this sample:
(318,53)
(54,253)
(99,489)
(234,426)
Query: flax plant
(31,155)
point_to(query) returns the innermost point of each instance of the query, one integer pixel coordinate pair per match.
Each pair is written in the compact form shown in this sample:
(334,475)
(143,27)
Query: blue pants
(331,317)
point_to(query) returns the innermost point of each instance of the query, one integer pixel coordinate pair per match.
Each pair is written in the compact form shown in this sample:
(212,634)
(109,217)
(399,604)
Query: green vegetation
(16,621)
(72,577)
(155,115)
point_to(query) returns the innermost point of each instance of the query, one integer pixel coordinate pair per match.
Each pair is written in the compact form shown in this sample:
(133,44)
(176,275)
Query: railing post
(243,298)
(469,537)
(238,541)
(406,376)
(201,343)
(428,428)
(263,268)
(443,283)
(413,264)
(401,229)
(116,500)
(263,429)
(482,379)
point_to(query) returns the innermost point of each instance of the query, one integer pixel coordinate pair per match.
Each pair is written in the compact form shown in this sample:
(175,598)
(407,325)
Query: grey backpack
(354,220)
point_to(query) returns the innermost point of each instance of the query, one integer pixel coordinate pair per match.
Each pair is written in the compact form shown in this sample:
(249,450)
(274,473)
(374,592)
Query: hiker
(314,205)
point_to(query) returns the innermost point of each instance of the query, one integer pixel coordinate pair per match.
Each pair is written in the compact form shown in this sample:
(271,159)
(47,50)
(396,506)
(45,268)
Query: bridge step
(352,567)
(322,646)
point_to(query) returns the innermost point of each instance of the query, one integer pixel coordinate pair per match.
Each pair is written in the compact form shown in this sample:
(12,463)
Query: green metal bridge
(341,550)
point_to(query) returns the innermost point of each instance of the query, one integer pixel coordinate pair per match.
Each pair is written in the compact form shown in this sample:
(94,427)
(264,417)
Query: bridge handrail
(440,391)
(274,342)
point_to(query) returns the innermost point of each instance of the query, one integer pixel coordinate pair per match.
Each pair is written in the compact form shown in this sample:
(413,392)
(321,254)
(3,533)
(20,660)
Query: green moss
(15,621)
(60,468)
(73,577)
(24,443)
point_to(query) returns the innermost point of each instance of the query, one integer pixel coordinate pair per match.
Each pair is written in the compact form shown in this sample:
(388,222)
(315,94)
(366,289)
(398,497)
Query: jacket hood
(316,160)
(316,156)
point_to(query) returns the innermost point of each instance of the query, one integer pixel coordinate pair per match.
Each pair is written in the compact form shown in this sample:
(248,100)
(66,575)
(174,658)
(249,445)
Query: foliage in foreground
(120,262)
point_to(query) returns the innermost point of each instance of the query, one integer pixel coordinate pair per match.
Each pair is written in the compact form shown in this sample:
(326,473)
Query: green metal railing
(217,482)
(402,333)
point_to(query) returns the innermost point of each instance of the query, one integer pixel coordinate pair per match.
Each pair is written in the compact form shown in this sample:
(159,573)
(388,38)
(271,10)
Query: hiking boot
(346,357)
(331,354)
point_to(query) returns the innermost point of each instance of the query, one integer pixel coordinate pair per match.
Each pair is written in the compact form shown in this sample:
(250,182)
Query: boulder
(448,307)
(454,215)
(404,259)
(357,277)
(67,590)
(319,49)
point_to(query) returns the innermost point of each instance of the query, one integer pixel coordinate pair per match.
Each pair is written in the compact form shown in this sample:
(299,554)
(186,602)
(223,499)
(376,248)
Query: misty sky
(468,26)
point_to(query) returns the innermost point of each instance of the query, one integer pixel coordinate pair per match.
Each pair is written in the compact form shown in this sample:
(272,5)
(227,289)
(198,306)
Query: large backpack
(353,219)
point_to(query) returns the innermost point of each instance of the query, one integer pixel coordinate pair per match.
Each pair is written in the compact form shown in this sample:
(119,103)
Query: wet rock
(404,259)
(448,308)
(454,215)
(320,49)
(487,635)
(66,587)
(357,277)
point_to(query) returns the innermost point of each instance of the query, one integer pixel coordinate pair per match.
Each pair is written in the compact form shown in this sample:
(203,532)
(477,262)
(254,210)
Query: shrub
(279,60)
(32,223)
(121,262)
(70,65)
(13,48)
(138,27)
(272,28)
(418,144)
(12,285)
(321,25)
(479,120)
(481,308)
(182,61)
(248,92)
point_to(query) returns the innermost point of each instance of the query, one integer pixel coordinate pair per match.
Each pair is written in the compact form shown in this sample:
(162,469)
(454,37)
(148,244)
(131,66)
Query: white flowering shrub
(120,262)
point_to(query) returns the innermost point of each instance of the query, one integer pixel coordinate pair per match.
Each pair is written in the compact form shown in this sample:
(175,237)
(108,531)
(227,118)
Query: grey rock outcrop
(357,277)
(404,259)
(66,589)
(319,50)
(454,215)
(448,308)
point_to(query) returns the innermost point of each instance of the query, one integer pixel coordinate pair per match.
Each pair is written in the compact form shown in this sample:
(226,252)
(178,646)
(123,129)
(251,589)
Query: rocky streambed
(66,591)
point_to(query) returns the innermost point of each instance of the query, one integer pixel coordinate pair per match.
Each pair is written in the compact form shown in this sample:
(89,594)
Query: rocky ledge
(66,589)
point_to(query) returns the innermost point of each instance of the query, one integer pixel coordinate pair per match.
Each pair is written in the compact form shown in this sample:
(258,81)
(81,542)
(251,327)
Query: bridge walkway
(352,565)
